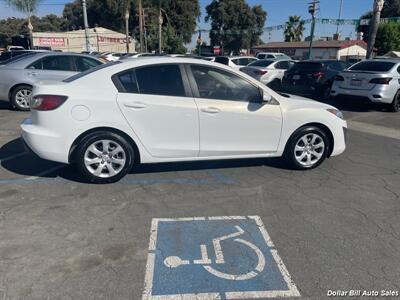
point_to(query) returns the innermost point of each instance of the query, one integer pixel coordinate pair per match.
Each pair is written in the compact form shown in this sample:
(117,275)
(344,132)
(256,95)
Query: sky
(278,13)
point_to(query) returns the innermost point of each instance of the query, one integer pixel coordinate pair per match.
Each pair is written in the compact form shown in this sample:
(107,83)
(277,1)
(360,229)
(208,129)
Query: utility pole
(126,18)
(373,26)
(312,9)
(85,24)
(340,15)
(160,21)
(141,25)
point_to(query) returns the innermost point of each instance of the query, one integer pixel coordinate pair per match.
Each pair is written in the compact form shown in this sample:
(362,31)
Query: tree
(373,30)
(28,7)
(391,8)
(16,26)
(234,24)
(294,29)
(178,26)
(388,38)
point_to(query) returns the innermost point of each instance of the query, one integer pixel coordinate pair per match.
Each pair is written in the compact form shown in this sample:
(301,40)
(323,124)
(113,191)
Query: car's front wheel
(104,157)
(20,97)
(307,148)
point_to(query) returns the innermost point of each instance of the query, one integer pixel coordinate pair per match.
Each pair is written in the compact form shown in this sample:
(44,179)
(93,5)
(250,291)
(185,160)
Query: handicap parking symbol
(214,258)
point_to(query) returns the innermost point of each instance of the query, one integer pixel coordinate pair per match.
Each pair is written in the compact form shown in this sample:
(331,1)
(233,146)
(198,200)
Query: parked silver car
(377,80)
(19,75)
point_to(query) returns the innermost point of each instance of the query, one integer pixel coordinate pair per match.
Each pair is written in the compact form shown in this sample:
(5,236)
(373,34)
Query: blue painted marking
(181,240)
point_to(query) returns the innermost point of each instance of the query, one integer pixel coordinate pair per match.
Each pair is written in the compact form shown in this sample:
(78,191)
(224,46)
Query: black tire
(114,139)
(395,105)
(15,103)
(326,92)
(306,131)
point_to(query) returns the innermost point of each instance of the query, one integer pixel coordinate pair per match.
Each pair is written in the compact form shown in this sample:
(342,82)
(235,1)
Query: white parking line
(45,172)
(374,129)
(13,156)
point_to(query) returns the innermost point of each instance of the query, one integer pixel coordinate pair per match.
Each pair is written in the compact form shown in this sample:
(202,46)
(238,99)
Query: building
(101,39)
(342,50)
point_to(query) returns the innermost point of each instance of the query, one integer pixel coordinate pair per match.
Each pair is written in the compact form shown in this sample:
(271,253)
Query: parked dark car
(312,78)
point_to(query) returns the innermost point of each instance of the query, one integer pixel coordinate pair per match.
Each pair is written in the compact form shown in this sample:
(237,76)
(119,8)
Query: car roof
(120,66)
(392,60)
(26,60)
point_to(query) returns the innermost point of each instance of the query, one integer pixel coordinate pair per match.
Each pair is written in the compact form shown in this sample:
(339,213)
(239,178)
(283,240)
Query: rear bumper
(44,143)
(379,94)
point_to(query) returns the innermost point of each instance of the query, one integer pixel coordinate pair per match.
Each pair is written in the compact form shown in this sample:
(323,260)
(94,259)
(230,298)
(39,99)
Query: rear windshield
(261,63)
(374,66)
(306,67)
(17,57)
(83,74)
(222,60)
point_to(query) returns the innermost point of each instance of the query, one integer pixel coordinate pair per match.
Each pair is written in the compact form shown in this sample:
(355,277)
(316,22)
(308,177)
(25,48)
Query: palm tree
(294,29)
(28,7)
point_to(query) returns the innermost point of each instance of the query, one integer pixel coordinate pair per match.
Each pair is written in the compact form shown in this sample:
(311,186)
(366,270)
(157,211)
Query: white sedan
(268,71)
(166,109)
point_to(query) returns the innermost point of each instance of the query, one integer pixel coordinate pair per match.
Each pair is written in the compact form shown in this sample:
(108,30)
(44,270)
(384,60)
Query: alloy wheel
(22,98)
(309,149)
(105,158)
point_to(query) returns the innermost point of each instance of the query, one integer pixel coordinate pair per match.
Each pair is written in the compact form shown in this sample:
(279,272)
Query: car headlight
(336,112)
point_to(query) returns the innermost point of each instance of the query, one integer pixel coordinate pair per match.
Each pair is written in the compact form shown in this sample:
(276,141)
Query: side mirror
(265,96)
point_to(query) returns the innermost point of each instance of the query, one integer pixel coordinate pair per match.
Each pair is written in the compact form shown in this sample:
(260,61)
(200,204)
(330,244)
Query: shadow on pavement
(16,159)
(4,104)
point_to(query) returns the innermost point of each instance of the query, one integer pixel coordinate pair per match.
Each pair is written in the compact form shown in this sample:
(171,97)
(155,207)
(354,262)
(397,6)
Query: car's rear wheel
(104,157)
(395,105)
(326,92)
(307,148)
(20,97)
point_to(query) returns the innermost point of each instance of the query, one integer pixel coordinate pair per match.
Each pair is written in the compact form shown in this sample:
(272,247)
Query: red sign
(51,41)
(217,50)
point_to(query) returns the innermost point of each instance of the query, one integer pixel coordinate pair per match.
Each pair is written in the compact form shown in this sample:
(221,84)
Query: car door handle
(211,110)
(32,73)
(137,105)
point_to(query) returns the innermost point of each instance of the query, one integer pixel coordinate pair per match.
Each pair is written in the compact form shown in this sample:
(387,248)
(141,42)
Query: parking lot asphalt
(336,227)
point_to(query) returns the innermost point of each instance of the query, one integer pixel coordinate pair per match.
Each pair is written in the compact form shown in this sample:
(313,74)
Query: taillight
(47,102)
(260,72)
(338,78)
(380,80)
(319,74)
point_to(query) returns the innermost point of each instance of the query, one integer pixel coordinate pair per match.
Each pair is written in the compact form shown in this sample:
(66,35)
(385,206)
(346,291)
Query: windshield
(374,66)
(261,63)
(306,67)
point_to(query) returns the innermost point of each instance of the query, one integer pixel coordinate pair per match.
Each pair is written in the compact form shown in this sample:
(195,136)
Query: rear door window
(282,65)
(160,80)
(58,63)
(373,66)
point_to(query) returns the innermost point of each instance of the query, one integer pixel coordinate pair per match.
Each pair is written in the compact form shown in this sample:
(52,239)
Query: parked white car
(174,109)
(377,80)
(235,62)
(272,55)
(267,70)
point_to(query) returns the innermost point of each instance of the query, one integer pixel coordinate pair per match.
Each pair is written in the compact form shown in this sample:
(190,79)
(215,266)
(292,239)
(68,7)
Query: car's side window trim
(185,81)
(195,88)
